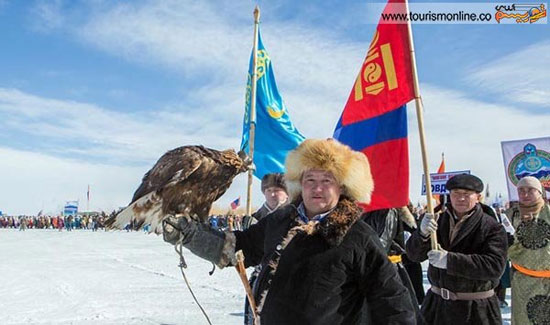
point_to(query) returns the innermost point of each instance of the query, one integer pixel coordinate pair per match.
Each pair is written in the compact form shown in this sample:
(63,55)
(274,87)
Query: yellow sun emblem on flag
(276,114)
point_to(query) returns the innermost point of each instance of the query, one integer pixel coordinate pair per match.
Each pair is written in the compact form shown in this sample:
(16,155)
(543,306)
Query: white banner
(438,181)
(529,157)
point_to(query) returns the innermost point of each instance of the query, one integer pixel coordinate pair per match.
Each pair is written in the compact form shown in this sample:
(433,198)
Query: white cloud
(118,149)
(468,131)
(47,15)
(95,132)
(32,182)
(522,77)
(199,39)
(190,36)
(312,68)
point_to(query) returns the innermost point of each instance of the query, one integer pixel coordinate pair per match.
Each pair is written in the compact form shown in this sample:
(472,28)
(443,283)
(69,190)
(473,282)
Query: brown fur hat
(350,168)
(273,180)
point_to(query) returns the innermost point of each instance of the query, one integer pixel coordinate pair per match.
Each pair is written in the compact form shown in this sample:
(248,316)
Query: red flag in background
(374,120)
(441,168)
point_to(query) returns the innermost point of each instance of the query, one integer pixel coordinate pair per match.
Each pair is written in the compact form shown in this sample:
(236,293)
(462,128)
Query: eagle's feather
(184,181)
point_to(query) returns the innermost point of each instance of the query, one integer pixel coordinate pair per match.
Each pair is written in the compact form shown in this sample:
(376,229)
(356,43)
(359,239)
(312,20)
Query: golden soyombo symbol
(373,72)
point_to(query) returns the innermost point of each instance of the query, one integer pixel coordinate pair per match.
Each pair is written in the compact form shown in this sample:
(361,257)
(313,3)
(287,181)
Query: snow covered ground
(84,277)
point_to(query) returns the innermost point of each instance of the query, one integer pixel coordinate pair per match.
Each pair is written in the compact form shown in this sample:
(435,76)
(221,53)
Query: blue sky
(94,92)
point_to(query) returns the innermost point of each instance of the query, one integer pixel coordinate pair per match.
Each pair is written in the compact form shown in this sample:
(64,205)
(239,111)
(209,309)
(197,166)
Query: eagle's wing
(173,167)
(146,207)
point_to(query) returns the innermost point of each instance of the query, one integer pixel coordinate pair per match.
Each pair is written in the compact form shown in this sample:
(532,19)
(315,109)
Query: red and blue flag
(374,120)
(235,204)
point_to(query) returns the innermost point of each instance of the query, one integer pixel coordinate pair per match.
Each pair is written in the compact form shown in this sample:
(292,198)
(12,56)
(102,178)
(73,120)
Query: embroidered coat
(531,250)
(321,273)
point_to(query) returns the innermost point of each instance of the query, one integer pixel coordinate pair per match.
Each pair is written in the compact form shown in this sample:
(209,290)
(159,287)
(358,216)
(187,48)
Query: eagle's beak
(246,160)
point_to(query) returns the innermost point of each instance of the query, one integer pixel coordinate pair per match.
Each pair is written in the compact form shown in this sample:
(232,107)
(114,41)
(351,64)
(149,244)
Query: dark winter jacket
(389,227)
(321,274)
(475,262)
(261,213)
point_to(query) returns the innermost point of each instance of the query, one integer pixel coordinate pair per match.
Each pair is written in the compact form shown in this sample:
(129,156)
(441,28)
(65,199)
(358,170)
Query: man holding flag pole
(319,262)
(462,272)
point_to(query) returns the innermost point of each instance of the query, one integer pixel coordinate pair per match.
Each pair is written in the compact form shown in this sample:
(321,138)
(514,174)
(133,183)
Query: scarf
(532,209)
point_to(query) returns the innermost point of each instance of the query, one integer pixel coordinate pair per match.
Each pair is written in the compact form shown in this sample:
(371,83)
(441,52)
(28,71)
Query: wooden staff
(246,284)
(252,116)
(252,133)
(420,118)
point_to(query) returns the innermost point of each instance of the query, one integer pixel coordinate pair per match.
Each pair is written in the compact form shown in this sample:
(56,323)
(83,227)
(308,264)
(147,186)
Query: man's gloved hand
(199,238)
(178,228)
(428,224)
(438,258)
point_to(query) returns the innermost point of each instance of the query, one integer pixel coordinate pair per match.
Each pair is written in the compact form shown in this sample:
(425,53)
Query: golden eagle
(184,181)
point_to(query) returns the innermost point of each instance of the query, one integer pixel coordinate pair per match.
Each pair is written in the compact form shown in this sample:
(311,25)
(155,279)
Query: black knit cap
(465,182)
(273,180)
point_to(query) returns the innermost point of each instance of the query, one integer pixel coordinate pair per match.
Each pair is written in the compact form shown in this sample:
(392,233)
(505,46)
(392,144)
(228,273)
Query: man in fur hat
(466,268)
(318,263)
(530,255)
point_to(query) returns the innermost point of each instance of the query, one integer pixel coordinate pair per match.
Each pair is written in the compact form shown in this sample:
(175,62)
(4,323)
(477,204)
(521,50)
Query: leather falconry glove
(200,239)
(438,258)
(428,224)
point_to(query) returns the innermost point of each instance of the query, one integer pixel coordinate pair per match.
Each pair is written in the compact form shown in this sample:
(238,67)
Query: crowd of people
(68,223)
(229,221)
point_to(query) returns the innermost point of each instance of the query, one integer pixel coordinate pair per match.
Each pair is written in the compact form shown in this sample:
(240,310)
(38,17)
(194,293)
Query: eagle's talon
(170,220)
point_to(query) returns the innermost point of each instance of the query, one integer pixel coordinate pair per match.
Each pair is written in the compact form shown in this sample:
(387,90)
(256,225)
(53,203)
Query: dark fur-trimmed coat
(322,274)
(475,262)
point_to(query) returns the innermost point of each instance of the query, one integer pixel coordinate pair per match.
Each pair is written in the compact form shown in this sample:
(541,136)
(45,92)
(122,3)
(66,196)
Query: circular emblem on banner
(530,162)
(534,234)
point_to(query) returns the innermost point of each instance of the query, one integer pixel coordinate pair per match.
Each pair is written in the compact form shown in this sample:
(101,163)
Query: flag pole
(240,256)
(88,199)
(420,118)
(252,112)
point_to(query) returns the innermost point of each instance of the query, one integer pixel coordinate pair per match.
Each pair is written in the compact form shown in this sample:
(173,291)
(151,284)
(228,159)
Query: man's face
(274,196)
(528,195)
(463,200)
(320,191)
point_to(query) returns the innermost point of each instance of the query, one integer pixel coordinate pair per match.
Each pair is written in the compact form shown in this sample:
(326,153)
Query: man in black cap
(274,189)
(276,196)
(469,261)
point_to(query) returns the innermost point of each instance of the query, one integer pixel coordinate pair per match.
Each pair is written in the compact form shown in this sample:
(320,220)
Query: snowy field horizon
(116,277)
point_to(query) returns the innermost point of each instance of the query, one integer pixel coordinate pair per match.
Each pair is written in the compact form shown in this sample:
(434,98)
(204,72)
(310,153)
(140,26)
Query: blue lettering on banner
(439,181)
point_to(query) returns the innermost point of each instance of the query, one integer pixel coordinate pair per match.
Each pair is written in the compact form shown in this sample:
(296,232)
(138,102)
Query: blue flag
(275,133)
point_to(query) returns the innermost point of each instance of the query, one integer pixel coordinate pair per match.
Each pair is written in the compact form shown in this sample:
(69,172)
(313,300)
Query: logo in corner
(522,13)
